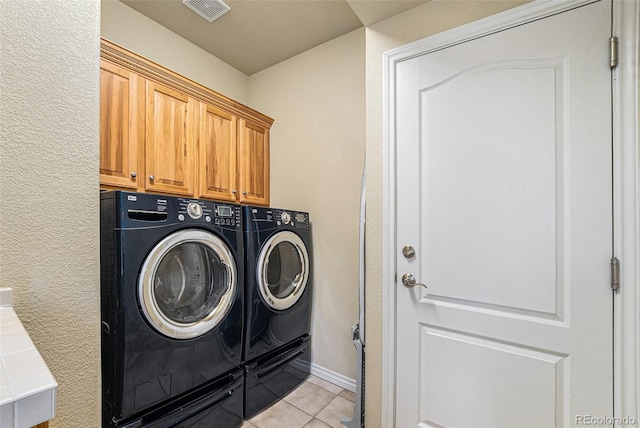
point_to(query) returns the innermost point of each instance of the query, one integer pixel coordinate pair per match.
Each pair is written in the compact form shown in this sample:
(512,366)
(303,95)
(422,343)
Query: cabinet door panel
(170,144)
(254,163)
(217,154)
(121,125)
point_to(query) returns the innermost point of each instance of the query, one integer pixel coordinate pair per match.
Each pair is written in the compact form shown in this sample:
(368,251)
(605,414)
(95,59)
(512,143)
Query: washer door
(187,284)
(283,270)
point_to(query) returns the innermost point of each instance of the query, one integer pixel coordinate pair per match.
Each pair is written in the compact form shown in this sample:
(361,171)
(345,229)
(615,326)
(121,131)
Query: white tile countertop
(27,388)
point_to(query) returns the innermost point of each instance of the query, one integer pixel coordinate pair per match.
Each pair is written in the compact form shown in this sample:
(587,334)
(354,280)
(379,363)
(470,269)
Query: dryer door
(283,270)
(188,284)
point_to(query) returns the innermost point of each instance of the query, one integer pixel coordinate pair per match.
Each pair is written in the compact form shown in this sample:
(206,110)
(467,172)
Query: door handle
(409,281)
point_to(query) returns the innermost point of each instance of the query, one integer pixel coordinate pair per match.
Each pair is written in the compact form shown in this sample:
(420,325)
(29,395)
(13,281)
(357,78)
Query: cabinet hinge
(615,274)
(613,52)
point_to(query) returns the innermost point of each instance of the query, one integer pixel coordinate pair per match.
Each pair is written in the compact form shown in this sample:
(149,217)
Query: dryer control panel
(298,220)
(262,218)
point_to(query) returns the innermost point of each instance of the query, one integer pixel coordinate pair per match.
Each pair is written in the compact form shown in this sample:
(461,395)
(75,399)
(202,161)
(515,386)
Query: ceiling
(256,34)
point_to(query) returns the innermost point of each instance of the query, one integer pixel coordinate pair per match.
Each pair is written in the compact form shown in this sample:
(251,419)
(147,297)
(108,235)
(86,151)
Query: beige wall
(134,31)
(317,154)
(428,19)
(49,223)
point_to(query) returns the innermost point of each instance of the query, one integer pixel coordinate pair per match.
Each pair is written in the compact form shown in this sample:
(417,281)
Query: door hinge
(613,52)
(615,274)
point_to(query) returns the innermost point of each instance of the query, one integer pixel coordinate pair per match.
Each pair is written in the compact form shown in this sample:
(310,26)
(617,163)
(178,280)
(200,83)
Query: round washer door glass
(187,284)
(283,270)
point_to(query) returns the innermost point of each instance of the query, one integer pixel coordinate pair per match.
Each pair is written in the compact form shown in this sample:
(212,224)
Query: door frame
(626,184)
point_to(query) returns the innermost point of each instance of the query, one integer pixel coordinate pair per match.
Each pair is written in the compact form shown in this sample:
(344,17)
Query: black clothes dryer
(172,280)
(277,304)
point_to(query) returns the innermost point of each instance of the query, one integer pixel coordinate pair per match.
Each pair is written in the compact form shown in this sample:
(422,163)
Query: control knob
(285,217)
(194,210)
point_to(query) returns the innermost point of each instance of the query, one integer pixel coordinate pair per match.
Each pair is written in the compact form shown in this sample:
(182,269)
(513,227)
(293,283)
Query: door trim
(626,209)
(626,183)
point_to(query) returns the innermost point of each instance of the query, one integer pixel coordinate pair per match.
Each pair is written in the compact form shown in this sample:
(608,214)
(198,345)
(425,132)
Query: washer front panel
(187,284)
(282,270)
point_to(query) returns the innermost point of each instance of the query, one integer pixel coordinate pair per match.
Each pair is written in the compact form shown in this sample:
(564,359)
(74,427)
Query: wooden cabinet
(121,122)
(170,144)
(234,158)
(163,133)
(217,154)
(254,157)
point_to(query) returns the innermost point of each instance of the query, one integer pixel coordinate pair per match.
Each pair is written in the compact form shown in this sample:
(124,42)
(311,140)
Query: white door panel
(504,191)
(452,368)
(507,180)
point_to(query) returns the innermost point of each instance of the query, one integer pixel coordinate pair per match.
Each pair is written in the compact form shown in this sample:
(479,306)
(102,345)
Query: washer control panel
(210,212)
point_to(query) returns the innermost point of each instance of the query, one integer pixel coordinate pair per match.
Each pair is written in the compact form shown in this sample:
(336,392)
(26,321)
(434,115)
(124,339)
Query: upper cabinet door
(217,154)
(253,163)
(170,141)
(121,125)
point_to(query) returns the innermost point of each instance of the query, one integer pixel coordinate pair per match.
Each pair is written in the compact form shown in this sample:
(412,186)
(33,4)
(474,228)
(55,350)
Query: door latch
(409,281)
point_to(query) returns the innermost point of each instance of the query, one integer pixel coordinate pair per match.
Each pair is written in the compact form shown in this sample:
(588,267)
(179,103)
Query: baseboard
(333,377)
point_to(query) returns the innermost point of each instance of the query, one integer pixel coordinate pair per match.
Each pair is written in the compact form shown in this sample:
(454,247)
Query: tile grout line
(314,417)
(319,411)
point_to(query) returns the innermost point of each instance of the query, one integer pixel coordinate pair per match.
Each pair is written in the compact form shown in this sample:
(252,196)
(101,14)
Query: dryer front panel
(282,270)
(187,284)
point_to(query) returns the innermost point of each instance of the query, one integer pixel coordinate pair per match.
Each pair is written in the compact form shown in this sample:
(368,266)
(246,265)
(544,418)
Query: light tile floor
(314,404)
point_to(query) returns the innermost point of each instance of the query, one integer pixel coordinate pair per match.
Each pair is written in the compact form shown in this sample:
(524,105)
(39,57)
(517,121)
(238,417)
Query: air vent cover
(208,9)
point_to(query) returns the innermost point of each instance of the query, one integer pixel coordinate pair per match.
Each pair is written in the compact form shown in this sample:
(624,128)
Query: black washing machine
(172,280)
(277,304)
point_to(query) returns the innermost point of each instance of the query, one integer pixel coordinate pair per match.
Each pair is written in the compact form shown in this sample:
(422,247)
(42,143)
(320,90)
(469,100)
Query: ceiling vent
(208,9)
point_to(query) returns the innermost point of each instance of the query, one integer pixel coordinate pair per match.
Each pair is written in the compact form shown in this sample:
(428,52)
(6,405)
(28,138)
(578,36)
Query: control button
(208,219)
(180,217)
(194,210)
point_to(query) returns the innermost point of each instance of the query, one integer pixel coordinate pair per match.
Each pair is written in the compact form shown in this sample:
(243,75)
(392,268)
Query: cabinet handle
(234,191)
(151,177)
(244,193)
(133,174)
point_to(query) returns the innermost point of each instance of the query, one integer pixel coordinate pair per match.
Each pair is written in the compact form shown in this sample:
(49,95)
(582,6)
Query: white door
(504,193)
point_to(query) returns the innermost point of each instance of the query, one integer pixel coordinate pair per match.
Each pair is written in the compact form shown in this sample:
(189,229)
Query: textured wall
(423,21)
(317,155)
(49,240)
(134,31)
